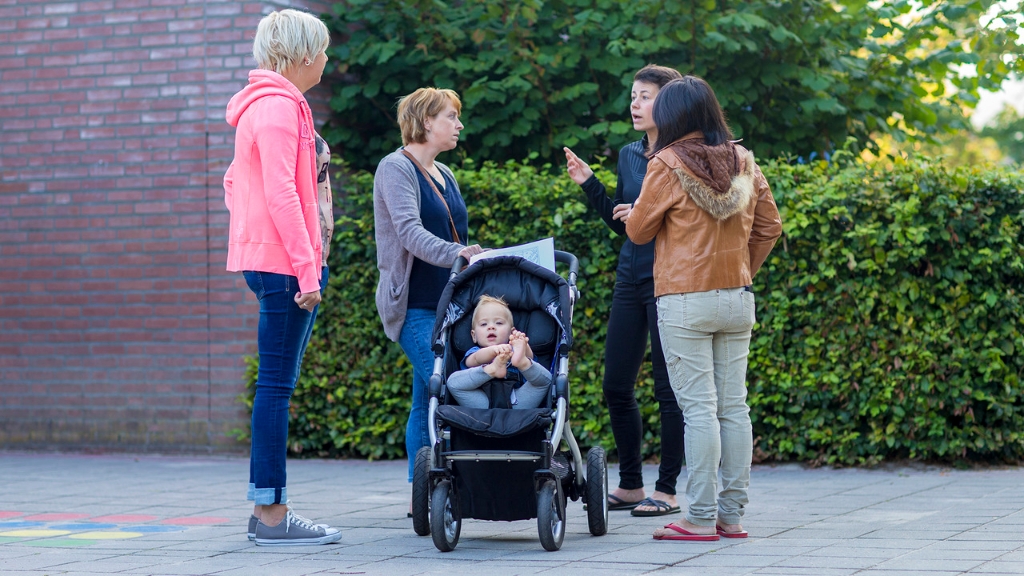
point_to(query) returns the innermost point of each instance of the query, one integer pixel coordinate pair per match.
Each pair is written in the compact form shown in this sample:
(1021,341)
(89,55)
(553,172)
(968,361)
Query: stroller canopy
(538,298)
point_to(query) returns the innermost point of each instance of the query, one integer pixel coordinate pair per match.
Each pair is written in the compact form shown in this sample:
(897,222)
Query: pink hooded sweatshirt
(270,187)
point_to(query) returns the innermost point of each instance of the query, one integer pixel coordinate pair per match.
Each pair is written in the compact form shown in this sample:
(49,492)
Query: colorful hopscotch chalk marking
(81,527)
(13,525)
(196,521)
(63,530)
(55,517)
(28,533)
(105,535)
(153,529)
(120,518)
(58,543)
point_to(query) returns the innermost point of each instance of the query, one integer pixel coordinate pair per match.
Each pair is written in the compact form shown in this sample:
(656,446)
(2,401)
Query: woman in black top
(634,315)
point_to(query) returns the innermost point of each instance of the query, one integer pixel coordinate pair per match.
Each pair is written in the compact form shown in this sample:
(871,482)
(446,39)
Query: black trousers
(634,315)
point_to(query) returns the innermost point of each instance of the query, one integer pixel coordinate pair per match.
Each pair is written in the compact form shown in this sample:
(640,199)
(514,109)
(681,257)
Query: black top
(636,262)
(428,281)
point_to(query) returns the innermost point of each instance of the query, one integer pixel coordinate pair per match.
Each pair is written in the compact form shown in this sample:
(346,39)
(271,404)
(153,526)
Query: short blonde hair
(485,299)
(414,109)
(287,37)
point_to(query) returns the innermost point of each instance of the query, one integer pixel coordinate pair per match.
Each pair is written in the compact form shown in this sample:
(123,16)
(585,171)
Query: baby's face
(492,325)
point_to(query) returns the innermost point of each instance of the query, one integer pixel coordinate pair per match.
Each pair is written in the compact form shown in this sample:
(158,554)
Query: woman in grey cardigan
(421,228)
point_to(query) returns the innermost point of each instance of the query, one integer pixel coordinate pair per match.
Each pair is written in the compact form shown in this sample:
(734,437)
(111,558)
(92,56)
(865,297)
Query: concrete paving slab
(909,562)
(842,551)
(830,562)
(685,570)
(900,521)
(731,560)
(997,567)
(895,572)
(791,571)
(995,545)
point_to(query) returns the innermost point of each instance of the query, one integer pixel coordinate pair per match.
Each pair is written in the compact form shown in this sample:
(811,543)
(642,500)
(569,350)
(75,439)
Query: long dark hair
(688,105)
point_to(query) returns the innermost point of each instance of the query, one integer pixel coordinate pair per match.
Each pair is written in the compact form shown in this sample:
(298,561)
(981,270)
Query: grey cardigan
(401,237)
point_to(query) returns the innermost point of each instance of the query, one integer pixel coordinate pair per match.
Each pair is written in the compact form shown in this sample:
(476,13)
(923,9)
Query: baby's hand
(497,349)
(498,367)
(505,353)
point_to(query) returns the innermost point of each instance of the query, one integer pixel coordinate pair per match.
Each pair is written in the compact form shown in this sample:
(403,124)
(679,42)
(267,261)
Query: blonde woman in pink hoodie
(275,241)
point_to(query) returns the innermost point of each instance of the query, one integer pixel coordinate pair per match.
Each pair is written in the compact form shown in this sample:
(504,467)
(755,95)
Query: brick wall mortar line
(110,224)
(209,257)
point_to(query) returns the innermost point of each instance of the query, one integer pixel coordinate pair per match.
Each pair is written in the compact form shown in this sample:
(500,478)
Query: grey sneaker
(253,521)
(295,530)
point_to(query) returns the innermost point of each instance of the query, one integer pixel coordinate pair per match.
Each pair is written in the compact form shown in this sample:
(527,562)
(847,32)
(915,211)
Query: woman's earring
(308,62)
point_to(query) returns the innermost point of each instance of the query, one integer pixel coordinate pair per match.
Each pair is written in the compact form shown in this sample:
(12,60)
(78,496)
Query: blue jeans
(415,342)
(282,336)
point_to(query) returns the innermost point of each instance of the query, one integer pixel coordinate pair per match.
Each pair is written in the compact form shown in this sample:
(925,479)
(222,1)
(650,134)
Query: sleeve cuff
(592,184)
(309,278)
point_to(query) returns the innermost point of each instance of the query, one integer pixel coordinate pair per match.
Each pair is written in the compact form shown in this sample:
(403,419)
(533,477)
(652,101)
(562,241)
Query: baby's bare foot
(498,367)
(519,359)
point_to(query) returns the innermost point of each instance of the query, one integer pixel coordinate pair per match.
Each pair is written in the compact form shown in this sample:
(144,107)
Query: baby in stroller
(501,353)
(485,461)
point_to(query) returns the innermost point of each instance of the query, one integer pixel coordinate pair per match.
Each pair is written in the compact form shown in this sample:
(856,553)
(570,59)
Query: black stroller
(497,463)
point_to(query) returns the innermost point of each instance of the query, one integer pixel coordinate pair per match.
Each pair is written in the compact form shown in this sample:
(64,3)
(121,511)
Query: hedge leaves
(889,315)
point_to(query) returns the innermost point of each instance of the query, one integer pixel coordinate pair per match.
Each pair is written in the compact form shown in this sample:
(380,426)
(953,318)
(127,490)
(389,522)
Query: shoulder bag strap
(430,180)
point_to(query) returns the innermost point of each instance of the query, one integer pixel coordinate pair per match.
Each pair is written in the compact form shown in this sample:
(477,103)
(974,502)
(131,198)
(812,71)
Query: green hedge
(889,315)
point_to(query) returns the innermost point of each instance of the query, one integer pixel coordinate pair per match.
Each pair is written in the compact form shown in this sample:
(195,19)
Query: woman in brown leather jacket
(713,220)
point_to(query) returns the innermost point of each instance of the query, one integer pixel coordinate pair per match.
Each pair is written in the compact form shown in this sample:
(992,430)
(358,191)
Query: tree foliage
(1007,129)
(795,78)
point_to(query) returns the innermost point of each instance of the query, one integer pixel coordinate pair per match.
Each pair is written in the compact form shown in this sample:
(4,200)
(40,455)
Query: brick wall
(119,328)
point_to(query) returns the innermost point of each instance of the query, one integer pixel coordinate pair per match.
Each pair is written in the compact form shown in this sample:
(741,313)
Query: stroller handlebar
(574,265)
(457,267)
(560,256)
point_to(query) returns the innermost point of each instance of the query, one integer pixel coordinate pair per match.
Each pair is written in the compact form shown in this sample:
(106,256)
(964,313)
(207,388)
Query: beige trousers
(706,339)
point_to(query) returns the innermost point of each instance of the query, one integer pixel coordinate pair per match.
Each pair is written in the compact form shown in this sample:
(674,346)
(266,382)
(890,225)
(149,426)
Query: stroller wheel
(597,491)
(421,492)
(445,518)
(550,516)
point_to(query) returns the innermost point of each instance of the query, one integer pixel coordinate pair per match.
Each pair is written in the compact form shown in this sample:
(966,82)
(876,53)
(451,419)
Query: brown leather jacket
(703,240)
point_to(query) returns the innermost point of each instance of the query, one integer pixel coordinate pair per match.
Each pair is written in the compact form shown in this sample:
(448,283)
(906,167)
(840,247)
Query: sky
(1012,92)
(991,103)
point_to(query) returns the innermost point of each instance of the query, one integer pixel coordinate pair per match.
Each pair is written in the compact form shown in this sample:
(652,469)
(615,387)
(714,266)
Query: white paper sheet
(541,252)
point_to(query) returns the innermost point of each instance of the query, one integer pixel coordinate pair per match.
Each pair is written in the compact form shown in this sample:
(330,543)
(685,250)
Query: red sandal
(724,534)
(684,534)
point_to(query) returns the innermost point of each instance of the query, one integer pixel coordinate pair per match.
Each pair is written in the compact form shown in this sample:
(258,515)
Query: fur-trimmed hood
(741,190)
(710,214)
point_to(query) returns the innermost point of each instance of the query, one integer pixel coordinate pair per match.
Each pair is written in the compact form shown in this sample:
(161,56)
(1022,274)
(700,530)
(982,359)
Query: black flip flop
(661,508)
(616,503)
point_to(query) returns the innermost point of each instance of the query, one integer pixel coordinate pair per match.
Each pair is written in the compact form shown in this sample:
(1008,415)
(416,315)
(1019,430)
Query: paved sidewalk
(75,514)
